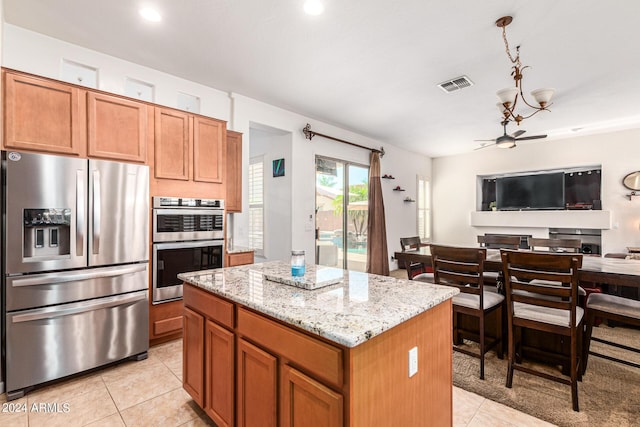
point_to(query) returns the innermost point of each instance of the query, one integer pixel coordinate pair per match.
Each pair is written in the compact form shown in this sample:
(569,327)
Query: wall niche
(564,189)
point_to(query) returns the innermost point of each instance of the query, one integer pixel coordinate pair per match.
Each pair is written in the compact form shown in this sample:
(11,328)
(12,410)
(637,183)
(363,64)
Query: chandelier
(509,97)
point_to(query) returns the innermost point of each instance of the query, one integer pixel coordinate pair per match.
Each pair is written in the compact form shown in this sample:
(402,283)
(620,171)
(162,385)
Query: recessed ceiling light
(313,7)
(150,14)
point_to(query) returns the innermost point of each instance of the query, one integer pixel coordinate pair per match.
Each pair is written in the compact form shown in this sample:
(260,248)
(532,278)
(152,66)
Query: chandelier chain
(513,60)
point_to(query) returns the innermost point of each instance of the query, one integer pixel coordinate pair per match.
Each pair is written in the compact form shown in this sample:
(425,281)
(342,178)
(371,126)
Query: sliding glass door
(341,222)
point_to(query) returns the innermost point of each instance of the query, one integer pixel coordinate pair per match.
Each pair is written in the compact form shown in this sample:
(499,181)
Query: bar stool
(610,307)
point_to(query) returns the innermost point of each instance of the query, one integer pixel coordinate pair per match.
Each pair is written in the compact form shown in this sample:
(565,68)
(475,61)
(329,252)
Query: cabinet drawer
(211,306)
(241,258)
(316,357)
(165,326)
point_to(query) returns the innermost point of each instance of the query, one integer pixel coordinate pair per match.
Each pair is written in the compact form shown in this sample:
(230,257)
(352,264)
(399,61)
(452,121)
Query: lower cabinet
(219,355)
(239,258)
(242,380)
(304,401)
(165,321)
(257,386)
(193,349)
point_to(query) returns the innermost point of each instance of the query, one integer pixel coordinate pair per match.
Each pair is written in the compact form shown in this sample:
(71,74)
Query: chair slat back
(527,277)
(555,245)
(410,243)
(459,267)
(506,242)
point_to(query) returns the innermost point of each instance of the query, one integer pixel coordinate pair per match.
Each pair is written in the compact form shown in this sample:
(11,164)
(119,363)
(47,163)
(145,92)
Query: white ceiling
(372,66)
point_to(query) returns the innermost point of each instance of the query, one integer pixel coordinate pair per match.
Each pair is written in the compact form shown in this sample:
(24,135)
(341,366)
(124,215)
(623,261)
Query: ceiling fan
(508,141)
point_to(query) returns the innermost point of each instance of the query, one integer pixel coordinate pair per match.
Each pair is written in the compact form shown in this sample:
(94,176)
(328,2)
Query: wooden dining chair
(413,268)
(612,308)
(501,242)
(491,278)
(555,245)
(534,303)
(559,245)
(462,268)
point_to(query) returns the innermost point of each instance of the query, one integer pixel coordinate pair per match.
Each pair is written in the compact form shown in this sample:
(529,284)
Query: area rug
(609,394)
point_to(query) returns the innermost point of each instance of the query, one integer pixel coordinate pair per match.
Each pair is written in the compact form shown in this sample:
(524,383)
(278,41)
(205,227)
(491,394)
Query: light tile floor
(149,393)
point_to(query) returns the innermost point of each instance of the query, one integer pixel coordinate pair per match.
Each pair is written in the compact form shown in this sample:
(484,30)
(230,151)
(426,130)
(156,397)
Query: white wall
(34,53)
(400,216)
(41,55)
(454,190)
(277,191)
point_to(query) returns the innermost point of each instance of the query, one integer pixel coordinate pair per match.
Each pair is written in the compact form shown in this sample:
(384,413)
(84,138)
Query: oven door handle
(77,308)
(49,279)
(182,212)
(188,244)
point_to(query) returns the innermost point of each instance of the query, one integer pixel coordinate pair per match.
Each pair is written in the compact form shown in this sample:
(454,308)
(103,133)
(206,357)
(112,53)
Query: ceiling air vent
(455,84)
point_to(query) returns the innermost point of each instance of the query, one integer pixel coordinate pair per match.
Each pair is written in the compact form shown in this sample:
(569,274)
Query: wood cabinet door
(233,202)
(117,128)
(306,402)
(219,372)
(257,386)
(209,149)
(193,355)
(42,115)
(172,144)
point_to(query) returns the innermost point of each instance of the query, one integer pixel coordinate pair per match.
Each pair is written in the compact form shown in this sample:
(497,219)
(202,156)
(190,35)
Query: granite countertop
(239,249)
(350,312)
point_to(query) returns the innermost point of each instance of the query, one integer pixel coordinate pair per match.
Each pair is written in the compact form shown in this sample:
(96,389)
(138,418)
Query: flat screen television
(530,192)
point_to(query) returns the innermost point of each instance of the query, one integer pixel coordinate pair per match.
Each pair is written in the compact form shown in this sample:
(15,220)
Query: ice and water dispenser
(47,232)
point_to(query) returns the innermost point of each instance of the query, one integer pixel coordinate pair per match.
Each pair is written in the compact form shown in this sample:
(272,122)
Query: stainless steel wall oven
(188,235)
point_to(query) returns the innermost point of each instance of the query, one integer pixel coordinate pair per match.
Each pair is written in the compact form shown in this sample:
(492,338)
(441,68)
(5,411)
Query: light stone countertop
(350,312)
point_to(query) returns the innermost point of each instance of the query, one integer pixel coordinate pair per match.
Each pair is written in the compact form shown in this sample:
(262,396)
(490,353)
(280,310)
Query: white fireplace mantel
(543,219)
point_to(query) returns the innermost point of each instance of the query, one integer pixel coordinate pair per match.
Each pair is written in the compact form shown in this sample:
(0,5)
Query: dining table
(594,269)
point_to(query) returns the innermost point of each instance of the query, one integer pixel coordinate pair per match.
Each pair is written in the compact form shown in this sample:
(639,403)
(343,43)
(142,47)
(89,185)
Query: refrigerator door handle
(80,213)
(76,308)
(96,212)
(53,278)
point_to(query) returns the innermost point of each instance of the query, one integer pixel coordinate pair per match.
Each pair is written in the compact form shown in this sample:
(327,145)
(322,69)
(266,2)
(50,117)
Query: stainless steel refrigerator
(76,253)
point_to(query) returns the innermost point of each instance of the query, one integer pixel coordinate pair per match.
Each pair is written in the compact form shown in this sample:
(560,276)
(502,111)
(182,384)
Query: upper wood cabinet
(208,149)
(189,147)
(43,115)
(117,128)
(233,201)
(172,144)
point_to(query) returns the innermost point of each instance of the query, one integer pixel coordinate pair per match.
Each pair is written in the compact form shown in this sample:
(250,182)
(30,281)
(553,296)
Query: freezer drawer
(39,290)
(53,342)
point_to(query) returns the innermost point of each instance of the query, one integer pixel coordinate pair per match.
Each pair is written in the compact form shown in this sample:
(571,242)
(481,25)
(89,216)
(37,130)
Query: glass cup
(297,263)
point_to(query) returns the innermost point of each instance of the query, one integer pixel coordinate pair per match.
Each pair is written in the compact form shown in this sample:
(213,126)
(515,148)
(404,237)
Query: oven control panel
(180,202)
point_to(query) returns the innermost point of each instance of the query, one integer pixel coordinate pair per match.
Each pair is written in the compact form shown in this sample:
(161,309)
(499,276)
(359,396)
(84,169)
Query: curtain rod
(308,133)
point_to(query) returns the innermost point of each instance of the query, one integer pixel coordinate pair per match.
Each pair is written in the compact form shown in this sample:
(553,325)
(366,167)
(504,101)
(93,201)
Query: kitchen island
(261,352)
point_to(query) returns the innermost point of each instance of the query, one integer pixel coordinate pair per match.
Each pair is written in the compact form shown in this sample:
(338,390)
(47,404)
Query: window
(256,205)
(423,202)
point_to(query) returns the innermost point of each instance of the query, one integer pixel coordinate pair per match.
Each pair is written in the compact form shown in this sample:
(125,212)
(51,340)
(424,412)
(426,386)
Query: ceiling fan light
(505,141)
(508,95)
(543,96)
